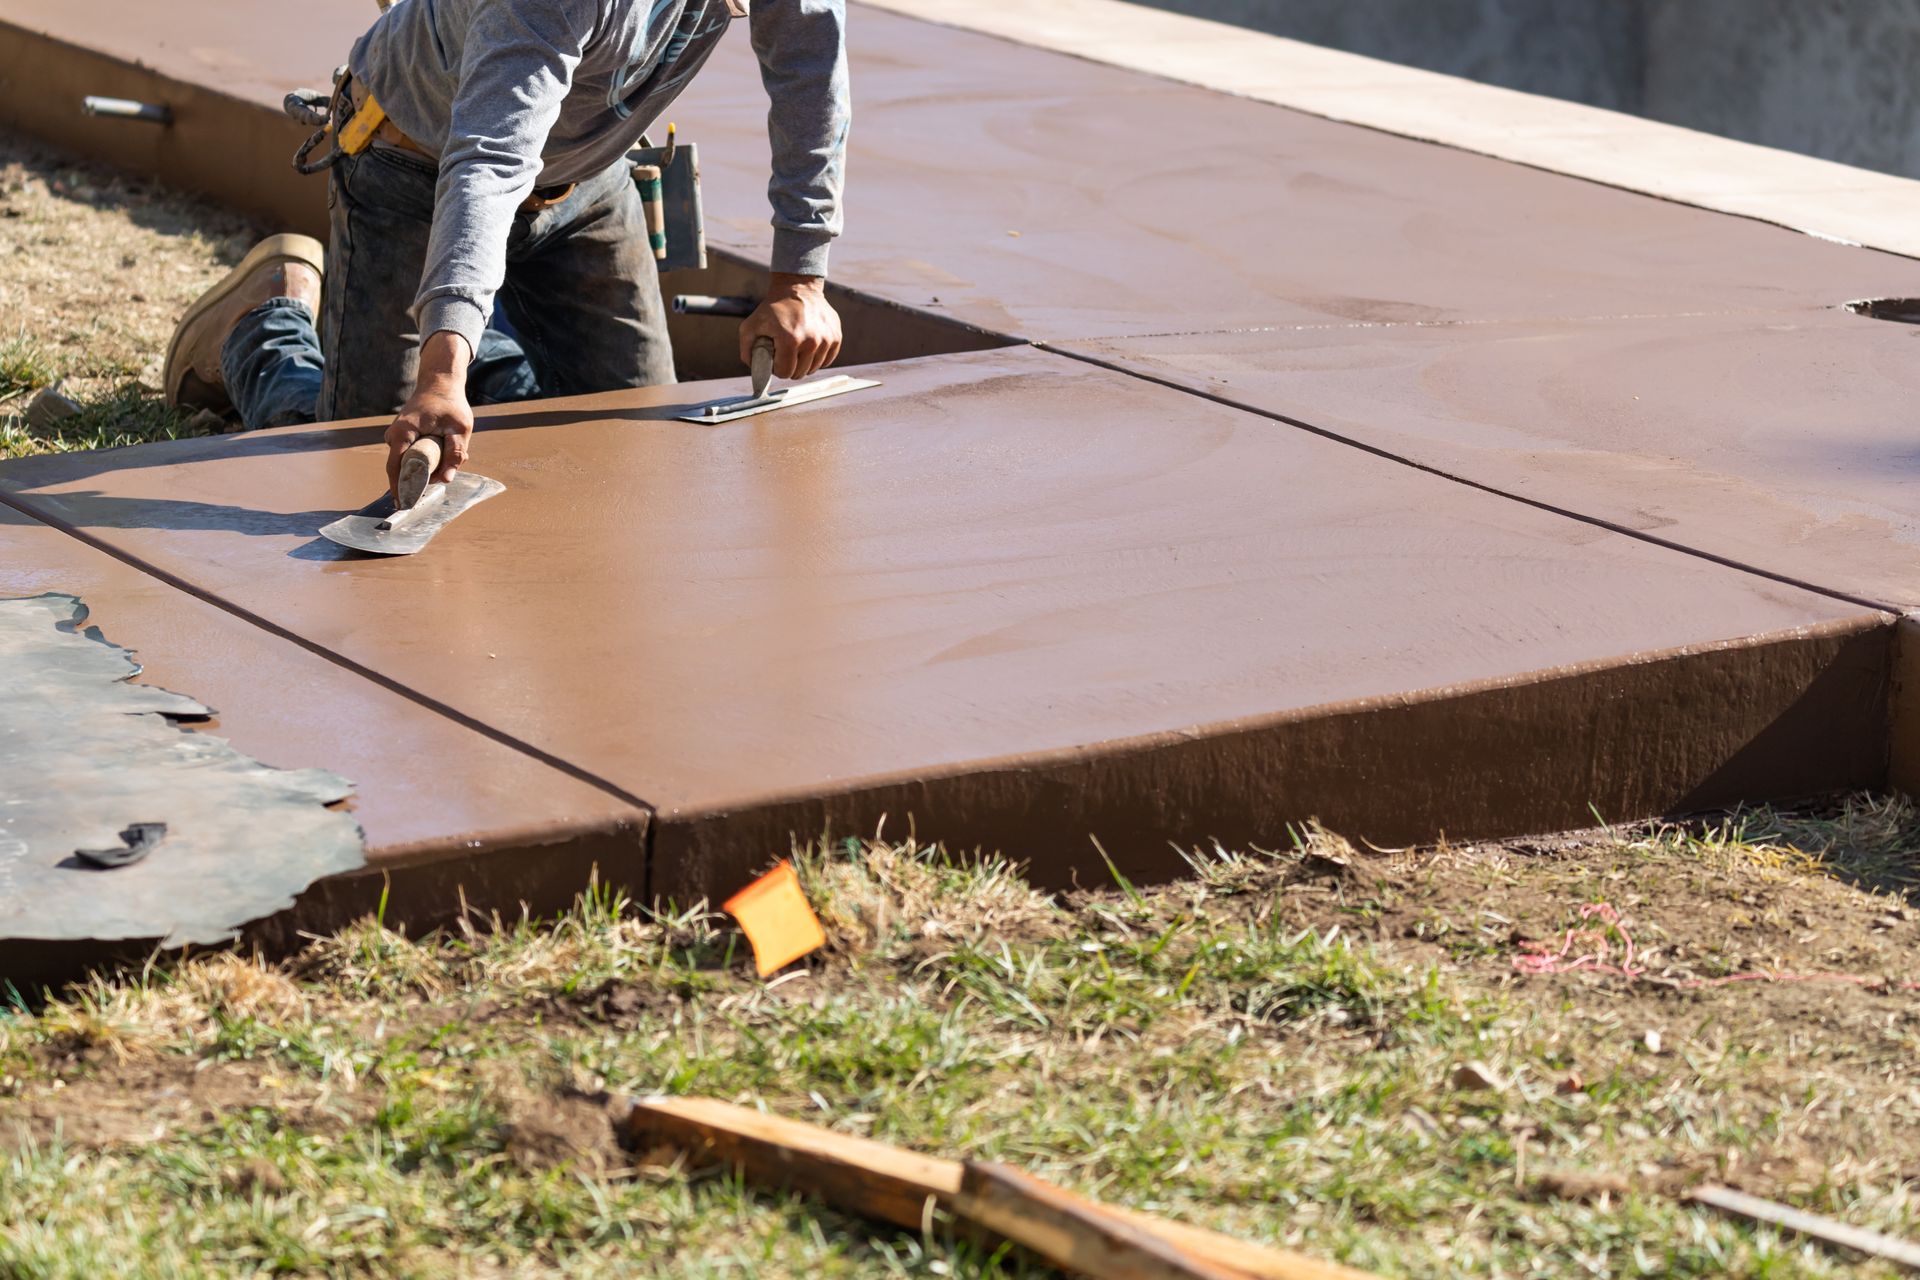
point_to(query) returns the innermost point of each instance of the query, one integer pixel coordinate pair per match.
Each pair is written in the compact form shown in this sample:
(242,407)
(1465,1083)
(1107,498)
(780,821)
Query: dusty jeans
(273,368)
(581,289)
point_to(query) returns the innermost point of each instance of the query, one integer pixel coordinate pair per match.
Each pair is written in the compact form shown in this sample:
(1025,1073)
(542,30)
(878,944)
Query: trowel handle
(417,466)
(762,365)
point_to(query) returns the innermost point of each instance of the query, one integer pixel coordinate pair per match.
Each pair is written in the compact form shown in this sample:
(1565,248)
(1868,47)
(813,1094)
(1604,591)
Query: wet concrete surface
(221,66)
(1039,195)
(995,567)
(1020,600)
(1674,371)
(1784,442)
(445,809)
(251,49)
(1055,199)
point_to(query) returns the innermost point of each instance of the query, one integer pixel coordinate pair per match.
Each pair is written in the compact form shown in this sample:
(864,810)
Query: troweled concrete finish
(1492,321)
(449,813)
(1835,201)
(1017,599)
(1054,199)
(1783,441)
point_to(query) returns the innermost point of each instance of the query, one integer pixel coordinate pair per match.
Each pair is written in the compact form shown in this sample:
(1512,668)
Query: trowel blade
(715,412)
(363,531)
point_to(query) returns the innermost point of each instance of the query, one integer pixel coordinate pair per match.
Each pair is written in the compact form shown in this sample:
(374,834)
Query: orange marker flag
(778,921)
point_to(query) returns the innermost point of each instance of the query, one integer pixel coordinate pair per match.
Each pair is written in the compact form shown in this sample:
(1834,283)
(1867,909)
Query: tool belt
(349,120)
(357,121)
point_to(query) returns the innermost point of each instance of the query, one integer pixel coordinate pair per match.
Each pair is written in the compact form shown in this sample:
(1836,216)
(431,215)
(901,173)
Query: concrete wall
(1839,79)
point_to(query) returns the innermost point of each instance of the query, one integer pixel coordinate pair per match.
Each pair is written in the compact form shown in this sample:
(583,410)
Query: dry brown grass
(95,268)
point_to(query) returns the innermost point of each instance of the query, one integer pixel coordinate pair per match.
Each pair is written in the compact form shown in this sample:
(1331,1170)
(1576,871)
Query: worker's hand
(803,325)
(438,407)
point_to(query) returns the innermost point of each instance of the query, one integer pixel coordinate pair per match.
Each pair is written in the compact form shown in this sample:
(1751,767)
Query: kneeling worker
(501,169)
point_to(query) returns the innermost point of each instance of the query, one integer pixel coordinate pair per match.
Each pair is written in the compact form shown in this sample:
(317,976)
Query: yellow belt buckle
(358,133)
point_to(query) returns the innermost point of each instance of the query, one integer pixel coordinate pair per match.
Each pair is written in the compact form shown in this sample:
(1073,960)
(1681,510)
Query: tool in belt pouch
(365,122)
(668,178)
(669,181)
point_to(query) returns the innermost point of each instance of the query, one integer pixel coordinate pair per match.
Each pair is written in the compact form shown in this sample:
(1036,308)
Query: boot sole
(183,387)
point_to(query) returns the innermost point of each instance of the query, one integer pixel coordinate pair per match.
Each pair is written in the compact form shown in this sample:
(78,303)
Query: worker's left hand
(803,325)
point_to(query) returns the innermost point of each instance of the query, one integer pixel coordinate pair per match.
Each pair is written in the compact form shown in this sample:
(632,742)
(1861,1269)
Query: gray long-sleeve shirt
(514,94)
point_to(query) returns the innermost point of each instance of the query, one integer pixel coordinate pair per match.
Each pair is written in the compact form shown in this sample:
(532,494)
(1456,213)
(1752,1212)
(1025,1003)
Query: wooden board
(895,1185)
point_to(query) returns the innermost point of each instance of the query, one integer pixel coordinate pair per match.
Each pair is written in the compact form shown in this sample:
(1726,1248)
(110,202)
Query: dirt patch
(149,1100)
(1790,973)
(621,1004)
(562,1130)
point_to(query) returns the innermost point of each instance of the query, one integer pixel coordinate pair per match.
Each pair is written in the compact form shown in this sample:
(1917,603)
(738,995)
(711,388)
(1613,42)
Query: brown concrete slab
(1142,206)
(447,811)
(1018,600)
(1035,194)
(1783,442)
(222,66)
(255,50)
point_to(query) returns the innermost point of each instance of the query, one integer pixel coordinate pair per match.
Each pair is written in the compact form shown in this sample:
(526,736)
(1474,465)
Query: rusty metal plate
(116,823)
(515,833)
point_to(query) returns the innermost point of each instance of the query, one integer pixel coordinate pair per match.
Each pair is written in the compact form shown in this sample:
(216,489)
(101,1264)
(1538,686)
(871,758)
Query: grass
(1230,1050)
(95,267)
(128,414)
(24,366)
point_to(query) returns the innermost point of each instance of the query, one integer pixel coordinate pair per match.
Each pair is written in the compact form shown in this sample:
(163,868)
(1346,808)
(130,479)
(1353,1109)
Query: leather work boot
(282,266)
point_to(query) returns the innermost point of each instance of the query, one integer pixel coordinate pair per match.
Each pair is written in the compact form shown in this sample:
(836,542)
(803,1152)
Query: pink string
(1596,954)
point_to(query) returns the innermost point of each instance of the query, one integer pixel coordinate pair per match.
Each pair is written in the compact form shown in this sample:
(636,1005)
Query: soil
(148,1099)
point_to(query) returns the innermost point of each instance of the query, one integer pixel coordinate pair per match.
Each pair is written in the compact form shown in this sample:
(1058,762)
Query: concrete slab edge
(245,615)
(1766,718)
(416,887)
(234,151)
(1903,765)
(1816,197)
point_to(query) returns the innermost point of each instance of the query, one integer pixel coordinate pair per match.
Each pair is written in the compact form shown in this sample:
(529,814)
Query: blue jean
(274,369)
(581,288)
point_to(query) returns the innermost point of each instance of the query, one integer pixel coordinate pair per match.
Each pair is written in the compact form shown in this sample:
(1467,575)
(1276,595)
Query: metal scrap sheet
(115,823)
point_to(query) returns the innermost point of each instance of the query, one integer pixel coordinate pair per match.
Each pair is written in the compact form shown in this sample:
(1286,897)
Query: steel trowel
(761,400)
(418,509)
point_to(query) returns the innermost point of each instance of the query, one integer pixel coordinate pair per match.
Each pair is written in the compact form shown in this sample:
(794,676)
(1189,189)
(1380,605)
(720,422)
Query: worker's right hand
(438,407)
(803,325)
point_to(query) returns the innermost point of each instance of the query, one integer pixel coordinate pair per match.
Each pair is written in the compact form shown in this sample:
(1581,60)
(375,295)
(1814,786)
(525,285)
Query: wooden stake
(904,1187)
(1739,1204)
(1073,1232)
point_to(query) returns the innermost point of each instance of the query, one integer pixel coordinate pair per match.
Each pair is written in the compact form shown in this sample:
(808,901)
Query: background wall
(1838,79)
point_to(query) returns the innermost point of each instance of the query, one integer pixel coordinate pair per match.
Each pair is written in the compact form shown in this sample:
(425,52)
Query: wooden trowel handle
(417,466)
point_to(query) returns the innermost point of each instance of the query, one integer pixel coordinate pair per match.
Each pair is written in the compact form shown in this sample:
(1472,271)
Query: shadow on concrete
(25,475)
(97,510)
(1854,688)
